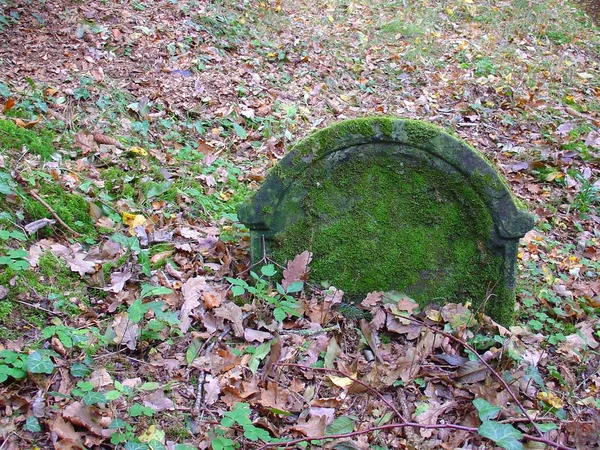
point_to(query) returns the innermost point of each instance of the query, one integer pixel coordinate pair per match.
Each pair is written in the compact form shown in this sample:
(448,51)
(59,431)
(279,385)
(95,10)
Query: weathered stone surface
(390,204)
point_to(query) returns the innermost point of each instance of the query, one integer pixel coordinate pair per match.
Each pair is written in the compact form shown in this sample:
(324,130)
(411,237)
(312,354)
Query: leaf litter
(189,104)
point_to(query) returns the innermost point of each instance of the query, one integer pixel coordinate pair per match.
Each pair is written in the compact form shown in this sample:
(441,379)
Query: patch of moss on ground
(117,181)
(35,141)
(51,277)
(377,226)
(71,208)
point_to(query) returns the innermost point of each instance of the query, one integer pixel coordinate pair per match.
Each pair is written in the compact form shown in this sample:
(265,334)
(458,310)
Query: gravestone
(390,204)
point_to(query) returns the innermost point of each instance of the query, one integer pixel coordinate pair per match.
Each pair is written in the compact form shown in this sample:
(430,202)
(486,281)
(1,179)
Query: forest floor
(129,316)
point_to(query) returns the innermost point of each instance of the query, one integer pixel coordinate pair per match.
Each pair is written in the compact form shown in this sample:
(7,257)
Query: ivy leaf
(545,427)
(39,363)
(80,370)
(486,410)
(32,424)
(93,398)
(502,434)
(135,446)
(137,410)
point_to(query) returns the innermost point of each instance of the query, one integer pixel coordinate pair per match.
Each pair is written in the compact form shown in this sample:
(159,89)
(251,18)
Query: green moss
(71,208)
(118,181)
(53,277)
(376,225)
(418,132)
(15,137)
(6,308)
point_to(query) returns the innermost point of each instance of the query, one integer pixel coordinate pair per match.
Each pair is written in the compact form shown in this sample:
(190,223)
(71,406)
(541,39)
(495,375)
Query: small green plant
(5,235)
(484,67)
(283,303)
(16,259)
(240,416)
(12,364)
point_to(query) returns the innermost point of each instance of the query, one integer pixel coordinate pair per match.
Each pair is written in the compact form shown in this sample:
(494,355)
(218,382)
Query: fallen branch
(340,373)
(36,196)
(392,426)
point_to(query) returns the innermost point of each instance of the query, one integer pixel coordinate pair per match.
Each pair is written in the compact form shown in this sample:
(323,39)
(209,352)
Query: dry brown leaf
(212,299)
(78,263)
(471,372)
(313,427)
(297,269)
(79,414)
(100,378)
(126,332)
(212,389)
(117,281)
(86,143)
(431,415)
(65,430)
(191,291)
(33,227)
(233,313)
(251,335)
(372,299)
(158,401)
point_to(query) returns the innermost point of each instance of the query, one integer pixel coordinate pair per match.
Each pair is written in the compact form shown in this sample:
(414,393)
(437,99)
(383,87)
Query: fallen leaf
(212,389)
(133,221)
(117,281)
(343,382)
(233,313)
(126,332)
(212,299)
(251,335)
(158,401)
(100,378)
(79,414)
(37,225)
(471,372)
(65,430)
(296,270)
(431,415)
(77,263)
(313,427)
(191,291)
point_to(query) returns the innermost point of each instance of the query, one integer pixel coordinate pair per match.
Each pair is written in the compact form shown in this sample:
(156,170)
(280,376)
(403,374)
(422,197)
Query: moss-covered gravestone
(389,204)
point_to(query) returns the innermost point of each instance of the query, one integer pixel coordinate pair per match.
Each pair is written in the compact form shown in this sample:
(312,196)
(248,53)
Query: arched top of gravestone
(511,221)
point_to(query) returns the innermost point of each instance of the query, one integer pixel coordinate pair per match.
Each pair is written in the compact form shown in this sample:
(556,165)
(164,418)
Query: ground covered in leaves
(129,133)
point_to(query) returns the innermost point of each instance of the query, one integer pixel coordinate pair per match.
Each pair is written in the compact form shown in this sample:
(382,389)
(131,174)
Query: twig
(484,362)
(392,426)
(54,313)
(339,372)
(35,195)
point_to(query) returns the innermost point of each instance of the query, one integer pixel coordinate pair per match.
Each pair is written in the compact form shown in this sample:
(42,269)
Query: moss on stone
(419,132)
(386,203)
(425,235)
(35,141)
